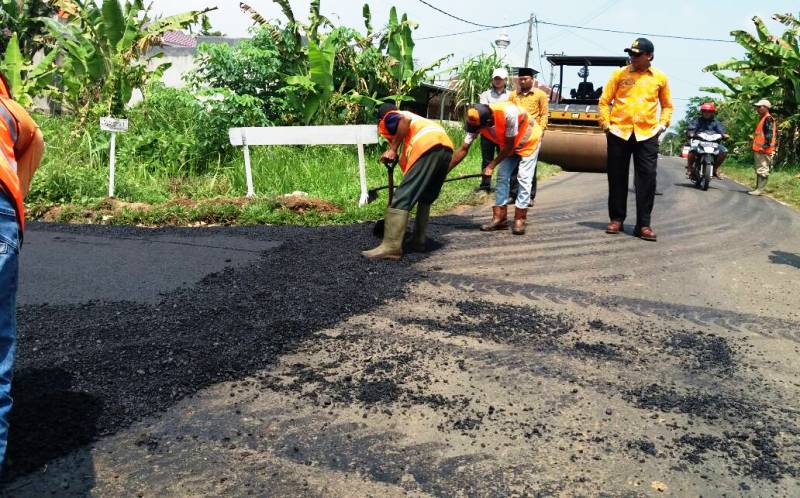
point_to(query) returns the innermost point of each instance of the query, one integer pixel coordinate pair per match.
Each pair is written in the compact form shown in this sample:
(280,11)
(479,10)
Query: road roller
(574,139)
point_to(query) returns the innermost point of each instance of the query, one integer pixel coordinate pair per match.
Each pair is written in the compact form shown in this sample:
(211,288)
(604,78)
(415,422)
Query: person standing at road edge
(632,127)
(497,93)
(765,139)
(424,160)
(536,103)
(21,147)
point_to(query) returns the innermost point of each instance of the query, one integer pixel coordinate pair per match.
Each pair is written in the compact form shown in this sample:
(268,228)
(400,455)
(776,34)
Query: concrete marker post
(248,169)
(114,126)
(112,164)
(362,173)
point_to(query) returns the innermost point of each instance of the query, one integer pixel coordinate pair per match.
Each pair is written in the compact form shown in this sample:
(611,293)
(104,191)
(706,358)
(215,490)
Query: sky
(681,60)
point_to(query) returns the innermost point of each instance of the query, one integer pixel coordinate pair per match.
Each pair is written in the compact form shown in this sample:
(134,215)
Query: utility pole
(528,47)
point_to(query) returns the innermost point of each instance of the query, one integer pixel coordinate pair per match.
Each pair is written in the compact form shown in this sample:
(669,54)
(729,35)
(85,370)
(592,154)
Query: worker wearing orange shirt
(629,115)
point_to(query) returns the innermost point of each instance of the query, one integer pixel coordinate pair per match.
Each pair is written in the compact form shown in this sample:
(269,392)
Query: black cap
(384,109)
(641,45)
(527,71)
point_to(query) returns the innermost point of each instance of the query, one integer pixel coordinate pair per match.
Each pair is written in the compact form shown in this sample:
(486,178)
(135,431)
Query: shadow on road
(50,419)
(594,225)
(785,258)
(691,186)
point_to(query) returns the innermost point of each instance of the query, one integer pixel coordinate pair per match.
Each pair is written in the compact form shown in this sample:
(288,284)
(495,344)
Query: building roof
(178,39)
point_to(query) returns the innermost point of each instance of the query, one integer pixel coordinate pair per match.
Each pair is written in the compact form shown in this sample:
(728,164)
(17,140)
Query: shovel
(372,195)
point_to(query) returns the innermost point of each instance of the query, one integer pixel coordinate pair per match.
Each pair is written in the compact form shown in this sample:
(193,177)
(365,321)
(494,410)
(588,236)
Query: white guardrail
(306,135)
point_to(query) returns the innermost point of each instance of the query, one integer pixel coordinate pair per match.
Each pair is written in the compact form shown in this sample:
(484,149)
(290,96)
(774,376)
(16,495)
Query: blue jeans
(525,175)
(9,249)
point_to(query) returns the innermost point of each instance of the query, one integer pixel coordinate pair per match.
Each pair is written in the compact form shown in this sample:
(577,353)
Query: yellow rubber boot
(395,221)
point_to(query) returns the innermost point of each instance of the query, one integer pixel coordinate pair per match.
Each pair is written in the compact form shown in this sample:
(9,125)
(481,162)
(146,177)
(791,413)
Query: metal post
(362,174)
(530,40)
(248,171)
(112,164)
(442,99)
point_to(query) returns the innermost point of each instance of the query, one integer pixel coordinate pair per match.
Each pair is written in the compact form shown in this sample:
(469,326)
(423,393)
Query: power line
(437,9)
(588,19)
(456,34)
(604,30)
(654,35)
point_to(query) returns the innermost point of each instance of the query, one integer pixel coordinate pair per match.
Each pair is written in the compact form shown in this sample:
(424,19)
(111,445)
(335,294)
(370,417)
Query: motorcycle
(706,147)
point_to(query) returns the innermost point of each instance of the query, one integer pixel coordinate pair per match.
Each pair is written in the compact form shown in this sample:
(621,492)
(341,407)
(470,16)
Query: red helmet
(708,106)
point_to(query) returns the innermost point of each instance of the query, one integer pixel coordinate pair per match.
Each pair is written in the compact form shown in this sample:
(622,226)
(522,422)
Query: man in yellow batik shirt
(629,114)
(535,102)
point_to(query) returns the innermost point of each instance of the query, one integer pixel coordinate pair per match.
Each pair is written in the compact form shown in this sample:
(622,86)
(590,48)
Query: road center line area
(276,361)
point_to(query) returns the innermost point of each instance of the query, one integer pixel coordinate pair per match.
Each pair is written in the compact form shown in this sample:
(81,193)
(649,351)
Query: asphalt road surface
(274,361)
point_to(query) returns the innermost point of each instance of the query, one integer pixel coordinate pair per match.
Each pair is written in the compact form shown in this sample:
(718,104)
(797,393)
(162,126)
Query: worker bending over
(21,147)
(424,160)
(518,136)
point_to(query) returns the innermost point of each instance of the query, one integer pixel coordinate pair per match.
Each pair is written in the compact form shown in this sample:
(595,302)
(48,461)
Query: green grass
(783,183)
(72,183)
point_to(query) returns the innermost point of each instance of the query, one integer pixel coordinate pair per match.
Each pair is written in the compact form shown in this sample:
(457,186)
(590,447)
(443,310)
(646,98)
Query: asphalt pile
(85,371)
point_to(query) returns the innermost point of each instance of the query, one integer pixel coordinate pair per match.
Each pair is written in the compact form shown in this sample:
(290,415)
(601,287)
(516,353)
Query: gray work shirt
(492,96)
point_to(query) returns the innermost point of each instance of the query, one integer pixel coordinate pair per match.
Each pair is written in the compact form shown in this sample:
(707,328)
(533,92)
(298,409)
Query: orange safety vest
(528,134)
(759,140)
(422,137)
(9,134)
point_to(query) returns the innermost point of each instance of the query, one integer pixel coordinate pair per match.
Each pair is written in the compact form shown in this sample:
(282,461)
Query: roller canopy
(588,60)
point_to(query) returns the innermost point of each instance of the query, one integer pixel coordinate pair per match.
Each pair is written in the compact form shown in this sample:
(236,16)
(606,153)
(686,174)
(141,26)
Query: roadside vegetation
(770,70)
(174,165)
(784,184)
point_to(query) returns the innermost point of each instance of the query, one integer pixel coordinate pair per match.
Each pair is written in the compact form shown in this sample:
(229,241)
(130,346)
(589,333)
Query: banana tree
(21,17)
(107,52)
(399,42)
(27,80)
(770,70)
(318,81)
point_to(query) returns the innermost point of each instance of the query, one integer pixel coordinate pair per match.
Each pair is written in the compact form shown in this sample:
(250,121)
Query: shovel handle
(390,186)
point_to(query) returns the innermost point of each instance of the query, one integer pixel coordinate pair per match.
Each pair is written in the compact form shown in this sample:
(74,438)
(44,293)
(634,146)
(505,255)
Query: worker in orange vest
(518,136)
(424,160)
(21,147)
(764,141)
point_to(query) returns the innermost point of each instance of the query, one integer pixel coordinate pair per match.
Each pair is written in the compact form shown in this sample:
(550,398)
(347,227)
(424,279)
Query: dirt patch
(302,204)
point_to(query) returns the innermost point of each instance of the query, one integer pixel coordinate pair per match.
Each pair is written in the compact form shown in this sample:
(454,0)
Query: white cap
(764,102)
(500,73)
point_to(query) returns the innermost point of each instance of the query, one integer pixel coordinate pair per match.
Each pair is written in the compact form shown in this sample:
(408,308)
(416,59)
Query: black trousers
(423,182)
(645,159)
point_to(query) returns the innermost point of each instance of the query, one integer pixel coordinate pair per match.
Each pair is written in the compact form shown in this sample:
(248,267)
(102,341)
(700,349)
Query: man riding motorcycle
(708,123)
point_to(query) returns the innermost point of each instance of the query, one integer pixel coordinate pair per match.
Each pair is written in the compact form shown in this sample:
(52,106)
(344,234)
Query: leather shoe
(614,227)
(645,233)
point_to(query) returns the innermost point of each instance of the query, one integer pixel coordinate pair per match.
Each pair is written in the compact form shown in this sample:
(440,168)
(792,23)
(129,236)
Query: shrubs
(175,139)
(190,132)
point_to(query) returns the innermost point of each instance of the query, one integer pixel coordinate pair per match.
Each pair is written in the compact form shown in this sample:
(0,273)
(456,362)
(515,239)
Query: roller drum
(579,151)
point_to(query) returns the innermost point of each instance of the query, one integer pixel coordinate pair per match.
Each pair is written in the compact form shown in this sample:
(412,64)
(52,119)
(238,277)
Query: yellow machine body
(574,139)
